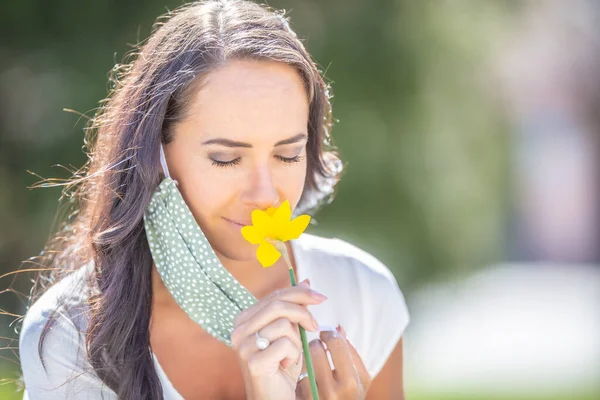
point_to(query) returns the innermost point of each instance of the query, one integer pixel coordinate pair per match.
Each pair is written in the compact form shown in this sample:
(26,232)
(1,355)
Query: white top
(363,297)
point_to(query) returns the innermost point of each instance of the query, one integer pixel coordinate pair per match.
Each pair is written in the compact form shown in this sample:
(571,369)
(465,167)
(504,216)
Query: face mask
(188,265)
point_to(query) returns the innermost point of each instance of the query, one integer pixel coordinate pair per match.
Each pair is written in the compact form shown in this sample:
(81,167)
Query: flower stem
(308,360)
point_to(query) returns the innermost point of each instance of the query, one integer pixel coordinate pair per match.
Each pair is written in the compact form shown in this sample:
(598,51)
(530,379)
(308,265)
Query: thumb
(362,370)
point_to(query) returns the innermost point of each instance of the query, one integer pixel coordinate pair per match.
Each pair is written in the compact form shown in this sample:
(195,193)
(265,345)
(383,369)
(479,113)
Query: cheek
(291,182)
(206,194)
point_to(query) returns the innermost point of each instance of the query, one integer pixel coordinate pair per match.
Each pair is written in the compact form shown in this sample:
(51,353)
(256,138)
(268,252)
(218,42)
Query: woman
(224,102)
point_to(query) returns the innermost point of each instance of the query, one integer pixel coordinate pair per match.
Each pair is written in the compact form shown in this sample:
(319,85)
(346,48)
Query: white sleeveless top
(363,297)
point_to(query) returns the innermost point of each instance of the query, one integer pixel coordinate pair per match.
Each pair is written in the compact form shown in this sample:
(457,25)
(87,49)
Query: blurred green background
(418,123)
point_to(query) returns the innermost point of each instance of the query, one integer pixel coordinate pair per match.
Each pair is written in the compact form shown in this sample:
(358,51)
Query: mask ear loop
(163,163)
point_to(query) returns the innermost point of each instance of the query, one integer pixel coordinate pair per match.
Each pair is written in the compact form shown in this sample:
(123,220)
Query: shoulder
(59,368)
(364,295)
(341,261)
(61,305)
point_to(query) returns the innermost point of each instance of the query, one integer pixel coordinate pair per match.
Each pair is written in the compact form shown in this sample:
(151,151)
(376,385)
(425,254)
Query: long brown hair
(150,92)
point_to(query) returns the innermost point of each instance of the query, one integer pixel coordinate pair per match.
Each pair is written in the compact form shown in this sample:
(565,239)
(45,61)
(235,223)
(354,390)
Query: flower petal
(283,214)
(253,234)
(261,220)
(270,211)
(294,228)
(267,254)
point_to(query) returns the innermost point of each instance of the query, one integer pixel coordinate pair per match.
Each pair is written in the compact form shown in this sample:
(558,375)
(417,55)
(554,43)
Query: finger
(246,324)
(268,362)
(345,373)
(363,372)
(323,374)
(300,294)
(279,328)
(280,309)
(278,293)
(303,387)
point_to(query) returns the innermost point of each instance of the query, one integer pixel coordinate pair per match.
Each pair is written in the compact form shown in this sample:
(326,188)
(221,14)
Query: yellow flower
(272,226)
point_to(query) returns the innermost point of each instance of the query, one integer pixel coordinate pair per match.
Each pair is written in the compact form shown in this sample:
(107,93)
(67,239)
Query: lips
(236,222)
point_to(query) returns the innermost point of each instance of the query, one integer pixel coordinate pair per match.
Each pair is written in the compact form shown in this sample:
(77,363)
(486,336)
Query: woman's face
(242,146)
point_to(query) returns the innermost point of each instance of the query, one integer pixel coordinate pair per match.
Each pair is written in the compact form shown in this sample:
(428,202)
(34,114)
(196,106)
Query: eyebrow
(233,143)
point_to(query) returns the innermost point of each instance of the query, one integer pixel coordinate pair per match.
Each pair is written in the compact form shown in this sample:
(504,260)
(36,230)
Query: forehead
(247,77)
(250,96)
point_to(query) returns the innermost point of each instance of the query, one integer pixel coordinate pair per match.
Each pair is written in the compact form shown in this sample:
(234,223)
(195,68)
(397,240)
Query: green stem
(308,360)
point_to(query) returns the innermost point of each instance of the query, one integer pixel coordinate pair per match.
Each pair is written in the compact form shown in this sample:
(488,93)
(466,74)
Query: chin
(234,249)
(238,254)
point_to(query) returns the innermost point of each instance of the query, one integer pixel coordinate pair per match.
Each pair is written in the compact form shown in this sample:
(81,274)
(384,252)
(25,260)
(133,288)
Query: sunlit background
(470,130)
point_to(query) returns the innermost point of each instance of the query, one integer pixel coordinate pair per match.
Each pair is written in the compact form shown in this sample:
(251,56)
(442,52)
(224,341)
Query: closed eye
(223,164)
(291,159)
(236,161)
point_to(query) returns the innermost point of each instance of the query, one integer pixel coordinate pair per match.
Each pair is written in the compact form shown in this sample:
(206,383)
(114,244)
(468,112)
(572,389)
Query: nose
(260,191)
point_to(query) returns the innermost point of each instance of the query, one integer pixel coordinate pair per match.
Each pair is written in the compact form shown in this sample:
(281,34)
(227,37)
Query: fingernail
(341,330)
(318,296)
(315,324)
(324,328)
(305,283)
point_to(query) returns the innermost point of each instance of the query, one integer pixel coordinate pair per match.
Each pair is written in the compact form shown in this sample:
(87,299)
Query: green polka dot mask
(188,265)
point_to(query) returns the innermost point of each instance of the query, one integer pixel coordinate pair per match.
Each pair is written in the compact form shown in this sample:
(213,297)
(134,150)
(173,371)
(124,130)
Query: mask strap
(163,163)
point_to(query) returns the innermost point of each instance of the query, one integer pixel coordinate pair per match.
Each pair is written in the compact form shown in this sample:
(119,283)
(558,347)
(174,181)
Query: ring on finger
(302,376)
(261,342)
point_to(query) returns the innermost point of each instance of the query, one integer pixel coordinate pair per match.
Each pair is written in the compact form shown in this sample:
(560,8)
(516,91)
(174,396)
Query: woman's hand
(349,379)
(273,373)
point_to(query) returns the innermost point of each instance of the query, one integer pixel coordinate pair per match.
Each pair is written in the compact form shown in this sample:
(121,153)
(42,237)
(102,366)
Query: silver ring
(302,376)
(261,342)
